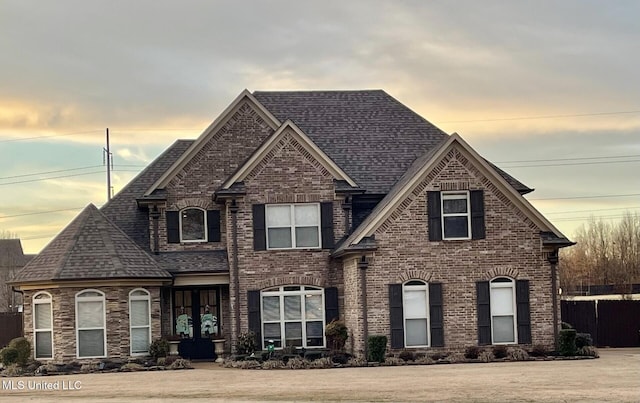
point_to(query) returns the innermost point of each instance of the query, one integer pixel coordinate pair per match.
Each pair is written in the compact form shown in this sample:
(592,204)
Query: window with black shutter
(213,225)
(173,226)
(456,215)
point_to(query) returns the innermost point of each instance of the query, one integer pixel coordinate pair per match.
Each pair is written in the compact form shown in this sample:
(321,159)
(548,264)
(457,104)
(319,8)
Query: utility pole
(107,158)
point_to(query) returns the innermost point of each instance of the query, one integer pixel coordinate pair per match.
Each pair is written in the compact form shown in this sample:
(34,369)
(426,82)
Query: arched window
(42,326)
(415,298)
(139,321)
(293,316)
(503,311)
(193,225)
(91,335)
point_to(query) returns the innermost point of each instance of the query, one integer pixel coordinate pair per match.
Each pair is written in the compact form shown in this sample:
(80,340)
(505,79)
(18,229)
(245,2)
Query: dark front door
(196,321)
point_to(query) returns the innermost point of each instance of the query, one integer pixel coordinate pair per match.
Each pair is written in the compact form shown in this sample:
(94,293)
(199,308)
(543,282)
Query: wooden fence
(10,327)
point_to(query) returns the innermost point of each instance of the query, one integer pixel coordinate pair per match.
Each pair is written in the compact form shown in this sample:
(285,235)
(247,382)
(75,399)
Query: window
(91,338)
(456,223)
(139,321)
(293,316)
(42,326)
(416,314)
(293,226)
(193,225)
(503,308)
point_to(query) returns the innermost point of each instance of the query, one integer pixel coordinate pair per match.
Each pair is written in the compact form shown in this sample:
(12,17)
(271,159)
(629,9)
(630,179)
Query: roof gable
(420,169)
(209,132)
(273,140)
(90,248)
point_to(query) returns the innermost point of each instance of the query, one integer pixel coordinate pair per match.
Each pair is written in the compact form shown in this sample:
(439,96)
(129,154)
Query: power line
(49,136)
(570,159)
(53,177)
(569,164)
(587,218)
(587,197)
(40,212)
(541,117)
(588,211)
(50,172)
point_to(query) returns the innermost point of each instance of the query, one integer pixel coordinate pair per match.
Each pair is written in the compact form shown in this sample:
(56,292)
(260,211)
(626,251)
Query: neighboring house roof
(416,173)
(11,254)
(123,209)
(90,248)
(194,262)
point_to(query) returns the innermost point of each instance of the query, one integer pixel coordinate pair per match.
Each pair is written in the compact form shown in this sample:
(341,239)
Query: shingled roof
(91,248)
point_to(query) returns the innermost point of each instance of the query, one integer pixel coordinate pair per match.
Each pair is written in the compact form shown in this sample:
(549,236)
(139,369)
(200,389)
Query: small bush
(357,362)
(539,350)
(337,334)
(324,362)
(8,356)
(583,339)
(393,361)
(246,343)
(340,358)
(377,346)
(17,352)
(251,364)
(472,352)
(159,348)
(567,342)
(13,370)
(180,363)
(486,356)
(500,351)
(588,351)
(273,364)
(407,355)
(565,325)
(424,360)
(298,363)
(517,354)
(455,358)
(439,356)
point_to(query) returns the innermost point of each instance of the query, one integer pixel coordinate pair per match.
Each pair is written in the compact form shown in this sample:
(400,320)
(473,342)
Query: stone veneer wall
(117,318)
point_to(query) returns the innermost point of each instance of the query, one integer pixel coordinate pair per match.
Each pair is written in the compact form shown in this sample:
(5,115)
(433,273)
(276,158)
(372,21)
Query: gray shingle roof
(90,247)
(123,209)
(11,254)
(194,262)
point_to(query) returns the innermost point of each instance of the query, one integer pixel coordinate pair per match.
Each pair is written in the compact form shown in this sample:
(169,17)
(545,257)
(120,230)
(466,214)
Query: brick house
(290,210)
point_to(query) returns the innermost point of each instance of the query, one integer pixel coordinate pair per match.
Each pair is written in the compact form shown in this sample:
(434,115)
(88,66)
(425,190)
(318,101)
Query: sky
(547,90)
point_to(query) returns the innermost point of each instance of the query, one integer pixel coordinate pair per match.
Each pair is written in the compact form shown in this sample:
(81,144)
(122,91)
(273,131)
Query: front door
(196,321)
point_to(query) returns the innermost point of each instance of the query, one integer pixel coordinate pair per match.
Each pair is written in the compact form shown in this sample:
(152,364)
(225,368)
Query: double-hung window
(293,226)
(415,297)
(193,225)
(456,220)
(91,337)
(42,326)
(139,321)
(293,316)
(503,309)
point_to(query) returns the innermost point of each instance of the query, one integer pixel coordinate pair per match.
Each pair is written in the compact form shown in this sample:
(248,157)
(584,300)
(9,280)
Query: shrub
(324,362)
(357,362)
(340,358)
(8,356)
(500,351)
(337,334)
(298,363)
(377,346)
(13,370)
(567,342)
(159,348)
(486,356)
(17,352)
(246,343)
(180,363)
(455,358)
(472,352)
(583,339)
(393,361)
(539,350)
(407,355)
(588,351)
(251,364)
(565,325)
(424,360)
(272,364)
(439,356)
(517,354)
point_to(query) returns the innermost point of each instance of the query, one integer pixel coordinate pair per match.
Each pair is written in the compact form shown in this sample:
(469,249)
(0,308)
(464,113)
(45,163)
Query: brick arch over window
(204,204)
(502,271)
(408,275)
(290,280)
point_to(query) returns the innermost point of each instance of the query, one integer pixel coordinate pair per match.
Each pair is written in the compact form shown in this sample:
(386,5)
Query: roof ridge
(80,220)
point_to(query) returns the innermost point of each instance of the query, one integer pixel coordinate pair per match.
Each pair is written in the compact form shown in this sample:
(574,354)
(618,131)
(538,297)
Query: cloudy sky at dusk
(549,91)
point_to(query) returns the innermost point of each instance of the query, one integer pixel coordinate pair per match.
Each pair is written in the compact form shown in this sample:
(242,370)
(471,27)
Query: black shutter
(396,315)
(436,315)
(523,312)
(255,322)
(259,228)
(173,226)
(434,216)
(213,225)
(477,214)
(326,224)
(484,312)
(331,311)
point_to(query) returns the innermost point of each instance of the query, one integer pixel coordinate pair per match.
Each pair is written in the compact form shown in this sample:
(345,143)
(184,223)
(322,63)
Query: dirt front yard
(615,377)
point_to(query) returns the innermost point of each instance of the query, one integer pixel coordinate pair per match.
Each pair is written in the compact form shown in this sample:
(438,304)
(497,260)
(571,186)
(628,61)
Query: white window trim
(451,196)
(281,293)
(47,300)
(102,299)
(206,228)
(512,285)
(424,287)
(293,225)
(147,298)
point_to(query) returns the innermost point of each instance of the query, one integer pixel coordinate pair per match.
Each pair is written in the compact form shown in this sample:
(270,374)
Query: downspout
(155,215)
(21,316)
(363,265)
(552,258)
(233,209)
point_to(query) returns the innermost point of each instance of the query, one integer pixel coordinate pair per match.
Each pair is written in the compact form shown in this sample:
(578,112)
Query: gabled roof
(271,142)
(416,173)
(90,248)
